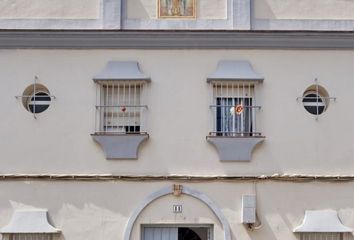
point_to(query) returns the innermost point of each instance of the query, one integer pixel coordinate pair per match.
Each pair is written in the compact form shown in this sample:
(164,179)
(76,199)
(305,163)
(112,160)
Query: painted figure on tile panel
(177,8)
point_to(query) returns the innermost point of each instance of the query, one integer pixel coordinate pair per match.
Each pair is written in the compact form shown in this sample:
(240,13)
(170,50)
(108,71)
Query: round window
(315,99)
(36,98)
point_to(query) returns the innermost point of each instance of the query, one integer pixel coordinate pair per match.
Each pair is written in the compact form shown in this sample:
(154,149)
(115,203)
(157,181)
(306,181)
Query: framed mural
(176,8)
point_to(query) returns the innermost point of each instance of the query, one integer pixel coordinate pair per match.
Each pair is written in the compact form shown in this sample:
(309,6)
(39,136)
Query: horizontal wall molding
(183,178)
(303,24)
(79,39)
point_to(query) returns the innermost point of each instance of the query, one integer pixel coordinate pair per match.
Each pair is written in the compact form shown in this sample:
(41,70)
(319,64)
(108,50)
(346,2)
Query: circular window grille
(315,100)
(36,98)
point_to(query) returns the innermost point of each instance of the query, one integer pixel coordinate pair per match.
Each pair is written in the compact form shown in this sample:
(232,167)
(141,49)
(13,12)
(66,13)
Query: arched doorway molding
(186,190)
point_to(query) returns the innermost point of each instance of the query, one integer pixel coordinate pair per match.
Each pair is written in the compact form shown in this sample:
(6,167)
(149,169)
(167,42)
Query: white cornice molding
(101,39)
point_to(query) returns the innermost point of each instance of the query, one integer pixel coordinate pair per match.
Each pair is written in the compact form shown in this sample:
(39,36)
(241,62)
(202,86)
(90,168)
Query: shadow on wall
(262,9)
(88,222)
(136,9)
(303,9)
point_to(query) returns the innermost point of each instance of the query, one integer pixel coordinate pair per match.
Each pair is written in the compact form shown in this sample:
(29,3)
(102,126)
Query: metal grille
(316,99)
(234,109)
(321,236)
(36,98)
(118,107)
(30,236)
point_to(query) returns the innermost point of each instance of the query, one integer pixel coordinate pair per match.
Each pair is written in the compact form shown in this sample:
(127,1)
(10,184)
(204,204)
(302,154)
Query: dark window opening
(39,102)
(185,233)
(314,104)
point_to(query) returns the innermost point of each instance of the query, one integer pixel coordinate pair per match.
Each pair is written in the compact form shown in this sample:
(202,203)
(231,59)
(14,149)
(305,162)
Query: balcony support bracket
(235,148)
(120,146)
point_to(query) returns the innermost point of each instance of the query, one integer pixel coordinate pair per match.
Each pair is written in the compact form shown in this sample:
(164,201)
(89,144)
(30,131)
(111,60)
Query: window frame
(321,236)
(210,228)
(237,91)
(119,119)
(29,236)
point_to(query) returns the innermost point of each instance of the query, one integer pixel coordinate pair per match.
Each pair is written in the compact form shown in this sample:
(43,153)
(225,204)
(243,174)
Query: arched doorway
(188,191)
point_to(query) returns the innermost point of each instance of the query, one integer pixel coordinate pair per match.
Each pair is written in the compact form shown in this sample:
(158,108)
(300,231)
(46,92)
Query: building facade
(176,120)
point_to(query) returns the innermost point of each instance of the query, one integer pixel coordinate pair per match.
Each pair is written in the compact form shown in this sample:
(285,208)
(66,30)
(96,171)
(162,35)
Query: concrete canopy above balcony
(322,221)
(234,70)
(121,71)
(29,221)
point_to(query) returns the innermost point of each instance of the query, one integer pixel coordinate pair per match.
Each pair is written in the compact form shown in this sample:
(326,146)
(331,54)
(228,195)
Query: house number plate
(177,208)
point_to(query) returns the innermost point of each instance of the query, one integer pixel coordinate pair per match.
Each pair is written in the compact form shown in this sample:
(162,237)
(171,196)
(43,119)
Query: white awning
(121,71)
(322,221)
(29,221)
(234,70)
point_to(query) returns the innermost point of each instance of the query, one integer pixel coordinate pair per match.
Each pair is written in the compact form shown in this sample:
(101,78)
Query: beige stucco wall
(49,9)
(93,210)
(147,9)
(303,9)
(178,117)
